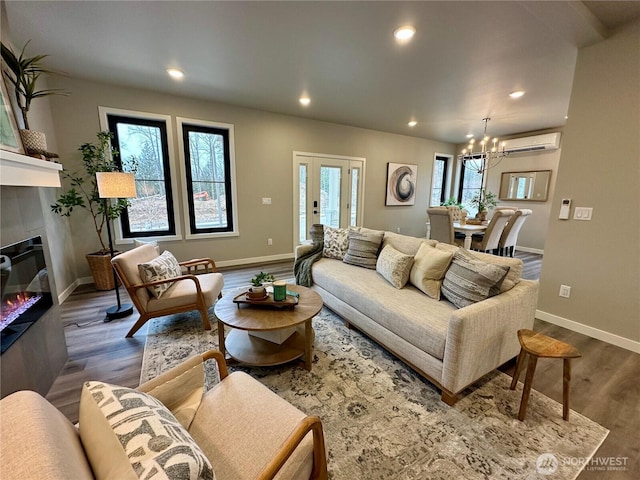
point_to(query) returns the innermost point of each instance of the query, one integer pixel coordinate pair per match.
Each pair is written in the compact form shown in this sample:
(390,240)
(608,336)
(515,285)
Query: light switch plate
(582,213)
(266,200)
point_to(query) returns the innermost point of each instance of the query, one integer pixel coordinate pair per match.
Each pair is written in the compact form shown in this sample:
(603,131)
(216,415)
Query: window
(470,185)
(439,181)
(207,149)
(152,212)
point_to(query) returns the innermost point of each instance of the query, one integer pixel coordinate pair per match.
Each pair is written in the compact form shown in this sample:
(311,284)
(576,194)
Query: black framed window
(207,156)
(151,212)
(470,185)
(439,181)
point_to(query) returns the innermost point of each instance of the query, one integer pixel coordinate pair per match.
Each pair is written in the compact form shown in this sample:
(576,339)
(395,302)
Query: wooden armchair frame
(199,304)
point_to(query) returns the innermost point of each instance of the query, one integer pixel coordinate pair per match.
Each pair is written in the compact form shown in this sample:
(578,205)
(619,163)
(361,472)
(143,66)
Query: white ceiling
(464,60)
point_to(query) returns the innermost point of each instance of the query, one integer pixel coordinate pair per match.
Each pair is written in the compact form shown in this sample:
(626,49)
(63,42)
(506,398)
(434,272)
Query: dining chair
(509,237)
(441,220)
(187,292)
(488,241)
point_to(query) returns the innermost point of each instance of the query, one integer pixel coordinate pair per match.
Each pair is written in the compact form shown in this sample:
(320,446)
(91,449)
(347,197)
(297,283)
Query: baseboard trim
(68,291)
(592,332)
(249,261)
(529,250)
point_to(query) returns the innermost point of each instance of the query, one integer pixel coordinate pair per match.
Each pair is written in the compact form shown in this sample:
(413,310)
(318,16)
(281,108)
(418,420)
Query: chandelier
(488,155)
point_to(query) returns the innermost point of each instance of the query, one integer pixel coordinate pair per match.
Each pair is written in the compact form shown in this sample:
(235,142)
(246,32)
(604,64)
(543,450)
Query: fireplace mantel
(23,171)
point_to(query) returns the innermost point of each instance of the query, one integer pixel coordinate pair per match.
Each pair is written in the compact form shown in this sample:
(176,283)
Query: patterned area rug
(382,421)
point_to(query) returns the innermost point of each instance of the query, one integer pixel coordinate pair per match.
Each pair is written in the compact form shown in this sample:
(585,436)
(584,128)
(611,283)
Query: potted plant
(258,290)
(24,73)
(484,201)
(83,193)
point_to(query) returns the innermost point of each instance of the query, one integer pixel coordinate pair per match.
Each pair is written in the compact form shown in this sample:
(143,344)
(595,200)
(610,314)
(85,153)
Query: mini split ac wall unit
(547,141)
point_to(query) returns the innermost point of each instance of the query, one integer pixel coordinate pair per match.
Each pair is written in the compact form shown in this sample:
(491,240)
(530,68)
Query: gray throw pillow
(363,248)
(469,280)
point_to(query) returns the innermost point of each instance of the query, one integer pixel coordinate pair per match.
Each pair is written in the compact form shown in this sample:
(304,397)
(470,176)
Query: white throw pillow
(429,268)
(160,268)
(394,266)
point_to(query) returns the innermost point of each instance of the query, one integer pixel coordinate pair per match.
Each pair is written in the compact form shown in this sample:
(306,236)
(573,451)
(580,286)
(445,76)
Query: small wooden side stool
(537,346)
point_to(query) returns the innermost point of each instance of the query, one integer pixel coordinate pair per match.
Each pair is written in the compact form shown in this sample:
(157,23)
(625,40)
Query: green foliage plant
(24,73)
(452,202)
(261,278)
(484,201)
(83,192)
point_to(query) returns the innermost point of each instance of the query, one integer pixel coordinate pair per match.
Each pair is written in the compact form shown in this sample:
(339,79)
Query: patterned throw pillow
(363,248)
(469,280)
(429,268)
(126,431)
(336,241)
(160,268)
(394,266)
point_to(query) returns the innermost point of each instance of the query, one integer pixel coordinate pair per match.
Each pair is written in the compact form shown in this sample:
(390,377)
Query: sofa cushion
(429,268)
(394,266)
(363,248)
(336,241)
(405,243)
(407,312)
(38,441)
(129,434)
(160,268)
(515,264)
(469,280)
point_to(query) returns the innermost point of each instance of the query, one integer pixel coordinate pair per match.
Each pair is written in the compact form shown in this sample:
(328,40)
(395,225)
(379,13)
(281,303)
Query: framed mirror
(530,186)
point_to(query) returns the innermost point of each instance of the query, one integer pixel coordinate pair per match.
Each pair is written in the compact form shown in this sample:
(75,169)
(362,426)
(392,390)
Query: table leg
(566,378)
(308,344)
(221,346)
(467,240)
(531,368)
(519,365)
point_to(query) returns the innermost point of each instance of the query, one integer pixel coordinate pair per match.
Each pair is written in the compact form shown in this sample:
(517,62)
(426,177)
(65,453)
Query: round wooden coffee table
(289,331)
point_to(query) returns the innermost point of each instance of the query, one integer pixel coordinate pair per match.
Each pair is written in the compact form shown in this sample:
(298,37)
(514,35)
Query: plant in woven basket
(84,188)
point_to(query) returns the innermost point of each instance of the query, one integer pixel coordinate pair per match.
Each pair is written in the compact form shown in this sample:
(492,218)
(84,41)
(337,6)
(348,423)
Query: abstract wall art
(401,184)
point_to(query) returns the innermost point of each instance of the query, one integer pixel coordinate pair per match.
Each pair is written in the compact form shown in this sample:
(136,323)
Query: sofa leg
(449,398)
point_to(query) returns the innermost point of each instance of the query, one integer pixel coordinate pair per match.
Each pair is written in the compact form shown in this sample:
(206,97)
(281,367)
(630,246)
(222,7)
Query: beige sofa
(244,430)
(451,347)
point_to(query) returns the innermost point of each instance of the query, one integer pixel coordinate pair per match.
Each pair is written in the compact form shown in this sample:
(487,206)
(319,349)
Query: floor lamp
(115,185)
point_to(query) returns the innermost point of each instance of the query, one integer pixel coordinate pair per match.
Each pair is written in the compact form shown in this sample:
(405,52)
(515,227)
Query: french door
(327,190)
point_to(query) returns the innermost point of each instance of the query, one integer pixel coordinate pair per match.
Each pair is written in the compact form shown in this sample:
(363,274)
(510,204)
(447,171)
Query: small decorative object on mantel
(24,73)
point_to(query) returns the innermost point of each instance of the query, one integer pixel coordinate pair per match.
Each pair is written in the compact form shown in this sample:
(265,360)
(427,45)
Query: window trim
(103,113)
(180,123)
(446,180)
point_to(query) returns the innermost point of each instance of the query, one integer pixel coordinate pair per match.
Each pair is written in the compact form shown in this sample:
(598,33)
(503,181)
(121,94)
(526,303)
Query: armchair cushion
(128,434)
(184,292)
(163,267)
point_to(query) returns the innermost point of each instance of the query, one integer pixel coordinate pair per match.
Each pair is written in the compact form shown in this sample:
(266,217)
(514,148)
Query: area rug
(382,421)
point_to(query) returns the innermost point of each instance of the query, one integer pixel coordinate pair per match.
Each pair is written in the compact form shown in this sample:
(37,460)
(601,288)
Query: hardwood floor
(604,384)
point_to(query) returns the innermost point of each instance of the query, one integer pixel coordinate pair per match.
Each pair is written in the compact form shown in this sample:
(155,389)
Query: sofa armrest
(303,248)
(181,388)
(483,336)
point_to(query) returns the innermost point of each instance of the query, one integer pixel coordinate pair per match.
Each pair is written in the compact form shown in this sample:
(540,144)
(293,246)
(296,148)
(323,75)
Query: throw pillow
(394,266)
(160,268)
(363,248)
(469,280)
(336,241)
(129,434)
(429,267)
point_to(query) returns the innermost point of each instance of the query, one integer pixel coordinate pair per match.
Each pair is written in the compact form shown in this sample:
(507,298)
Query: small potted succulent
(257,290)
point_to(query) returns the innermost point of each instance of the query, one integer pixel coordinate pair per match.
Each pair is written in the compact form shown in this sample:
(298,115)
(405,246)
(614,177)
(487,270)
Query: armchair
(187,292)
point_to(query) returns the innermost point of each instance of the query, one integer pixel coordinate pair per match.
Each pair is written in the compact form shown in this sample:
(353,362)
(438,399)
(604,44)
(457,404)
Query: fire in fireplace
(24,288)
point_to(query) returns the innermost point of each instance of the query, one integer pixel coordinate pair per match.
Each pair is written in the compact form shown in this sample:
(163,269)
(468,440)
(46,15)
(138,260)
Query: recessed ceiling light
(517,94)
(469,135)
(566,117)
(305,101)
(175,73)
(404,33)
(412,123)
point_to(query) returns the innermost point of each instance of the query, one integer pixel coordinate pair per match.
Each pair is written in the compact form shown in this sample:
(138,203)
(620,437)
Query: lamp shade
(116,184)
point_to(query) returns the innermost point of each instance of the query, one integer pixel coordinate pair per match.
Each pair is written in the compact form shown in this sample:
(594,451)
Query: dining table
(468,230)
